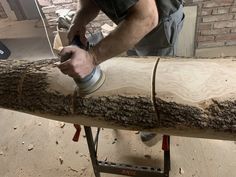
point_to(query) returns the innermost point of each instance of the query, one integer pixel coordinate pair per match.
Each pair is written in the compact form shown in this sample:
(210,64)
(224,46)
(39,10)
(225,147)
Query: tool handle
(77,133)
(76,41)
(66,57)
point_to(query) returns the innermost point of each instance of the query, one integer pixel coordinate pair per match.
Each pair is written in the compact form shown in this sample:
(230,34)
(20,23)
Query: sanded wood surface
(193,97)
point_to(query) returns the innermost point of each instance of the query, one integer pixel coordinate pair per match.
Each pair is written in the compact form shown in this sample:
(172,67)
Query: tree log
(184,97)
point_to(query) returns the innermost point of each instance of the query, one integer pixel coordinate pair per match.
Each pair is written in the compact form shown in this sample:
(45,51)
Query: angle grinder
(92,81)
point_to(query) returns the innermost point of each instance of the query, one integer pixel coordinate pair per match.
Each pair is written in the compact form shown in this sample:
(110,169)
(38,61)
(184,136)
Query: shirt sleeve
(116,10)
(122,6)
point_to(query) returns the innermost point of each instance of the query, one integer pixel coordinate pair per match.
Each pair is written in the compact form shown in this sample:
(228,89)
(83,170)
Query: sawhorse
(125,169)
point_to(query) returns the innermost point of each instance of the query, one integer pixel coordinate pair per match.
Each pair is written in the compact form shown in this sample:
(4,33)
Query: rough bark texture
(219,116)
(24,86)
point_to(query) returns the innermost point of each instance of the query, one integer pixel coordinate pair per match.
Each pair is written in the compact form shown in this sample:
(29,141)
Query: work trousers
(162,40)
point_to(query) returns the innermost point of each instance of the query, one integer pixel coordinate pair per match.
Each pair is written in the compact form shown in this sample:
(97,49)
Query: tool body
(92,81)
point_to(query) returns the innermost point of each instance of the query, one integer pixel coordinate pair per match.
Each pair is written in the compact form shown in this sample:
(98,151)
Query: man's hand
(141,19)
(88,11)
(77,30)
(80,64)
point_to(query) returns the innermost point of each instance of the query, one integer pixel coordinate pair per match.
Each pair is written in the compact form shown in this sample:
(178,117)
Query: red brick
(205,38)
(218,3)
(233,9)
(204,26)
(71,6)
(44,2)
(198,33)
(233,30)
(226,37)
(215,31)
(222,10)
(51,16)
(206,12)
(197,1)
(49,9)
(215,18)
(233,42)
(62,1)
(210,44)
(225,24)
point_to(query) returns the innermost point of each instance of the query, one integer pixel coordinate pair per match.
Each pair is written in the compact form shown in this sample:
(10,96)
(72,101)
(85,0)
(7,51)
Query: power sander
(91,82)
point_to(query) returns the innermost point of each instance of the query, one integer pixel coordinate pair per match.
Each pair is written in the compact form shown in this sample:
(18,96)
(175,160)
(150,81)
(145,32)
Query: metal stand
(124,169)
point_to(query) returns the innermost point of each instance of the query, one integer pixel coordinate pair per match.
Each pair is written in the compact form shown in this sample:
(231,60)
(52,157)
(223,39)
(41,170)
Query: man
(148,27)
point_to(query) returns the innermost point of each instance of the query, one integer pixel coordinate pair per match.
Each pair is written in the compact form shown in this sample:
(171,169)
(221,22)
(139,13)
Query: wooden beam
(192,97)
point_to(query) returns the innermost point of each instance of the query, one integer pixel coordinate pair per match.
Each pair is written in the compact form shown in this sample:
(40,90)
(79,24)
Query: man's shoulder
(116,9)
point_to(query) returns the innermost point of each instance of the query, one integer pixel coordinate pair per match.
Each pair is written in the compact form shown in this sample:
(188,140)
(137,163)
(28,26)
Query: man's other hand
(80,64)
(77,30)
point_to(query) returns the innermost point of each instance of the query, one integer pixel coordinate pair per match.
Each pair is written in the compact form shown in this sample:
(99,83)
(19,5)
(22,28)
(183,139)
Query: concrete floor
(196,157)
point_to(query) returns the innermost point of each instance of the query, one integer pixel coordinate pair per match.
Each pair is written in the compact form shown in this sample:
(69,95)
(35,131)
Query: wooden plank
(186,39)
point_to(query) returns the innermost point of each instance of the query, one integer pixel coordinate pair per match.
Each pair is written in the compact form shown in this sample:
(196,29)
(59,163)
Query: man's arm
(141,19)
(87,12)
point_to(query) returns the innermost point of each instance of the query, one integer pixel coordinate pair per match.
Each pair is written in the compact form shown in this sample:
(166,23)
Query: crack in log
(154,91)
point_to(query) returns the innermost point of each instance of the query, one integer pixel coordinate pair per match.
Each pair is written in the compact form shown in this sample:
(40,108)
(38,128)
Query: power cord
(45,28)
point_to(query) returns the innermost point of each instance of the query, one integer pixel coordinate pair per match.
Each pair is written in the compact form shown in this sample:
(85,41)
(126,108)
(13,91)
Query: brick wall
(49,8)
(216,23)
(2,12)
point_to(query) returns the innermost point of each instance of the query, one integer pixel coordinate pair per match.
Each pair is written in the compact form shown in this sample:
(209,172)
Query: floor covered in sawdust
(32,146)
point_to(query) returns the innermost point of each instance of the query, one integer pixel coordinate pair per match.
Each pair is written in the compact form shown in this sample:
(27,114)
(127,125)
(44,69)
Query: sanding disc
(93,84)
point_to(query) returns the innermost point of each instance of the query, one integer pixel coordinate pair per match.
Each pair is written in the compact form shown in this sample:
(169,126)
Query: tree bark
(184,97)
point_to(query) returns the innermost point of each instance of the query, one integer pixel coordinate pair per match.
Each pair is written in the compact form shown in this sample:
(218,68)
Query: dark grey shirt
(117,10)
(162,39)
